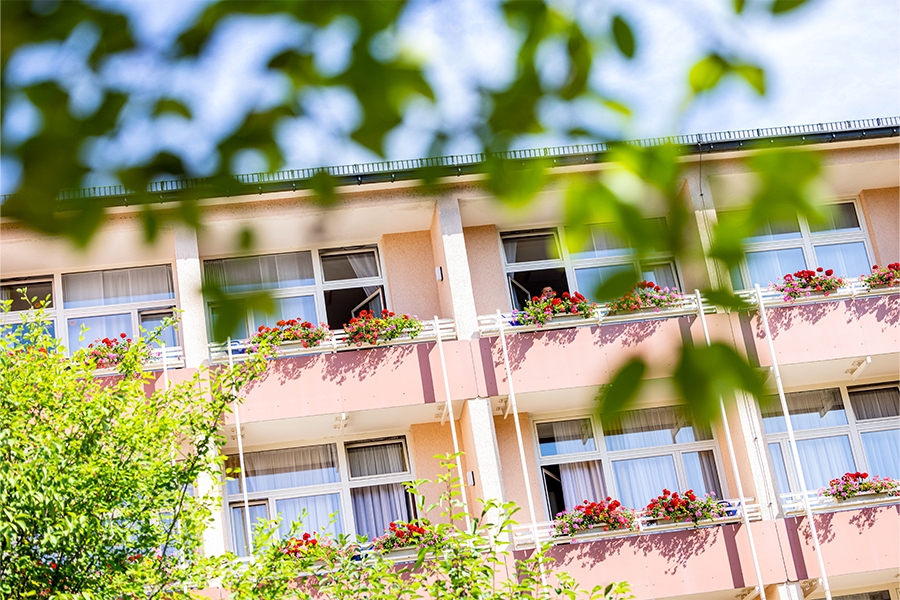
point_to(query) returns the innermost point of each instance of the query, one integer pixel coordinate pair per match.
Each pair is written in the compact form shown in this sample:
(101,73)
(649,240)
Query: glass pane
(530,248)
(702,475)
(257,512)
(350,265)
(108,326)
(640,480)
(882,595)
(524,285)
(34,289)
(300,307)
(375,507)
(883,452)
(319,514)
(809,410)
(580,482)
(343,305)
(589,280)
(781,477)
(20,329)
(377,459)
(771,265)
(847,260)
(662,275)
(838,217)
(150,321)
(118,286)
(652,427)
(284,469)
(565,437)
(823,459)
(783,229)
(272,271)
(877,403)
(602,244)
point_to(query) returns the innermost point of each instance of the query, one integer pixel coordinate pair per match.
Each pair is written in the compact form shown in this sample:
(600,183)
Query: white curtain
(271,271)
(883,452)
(824,459)
(509,247)
(652,427)
(365,264)
(876,404)
(283,469)
(118,286)
(640,480)
(313,511)
(769,266)
(375,507)
(381,459)
(662,275)
(566,437)
(781,478)
(809,410)
(98,328)
(257,512)
(582,481)
(847,260)
(702,476)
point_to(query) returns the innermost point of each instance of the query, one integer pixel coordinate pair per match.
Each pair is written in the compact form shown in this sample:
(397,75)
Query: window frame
(342,487)
(569,263)
(853,430)
(606,457)
(60,315)
(316,290)
(808,241)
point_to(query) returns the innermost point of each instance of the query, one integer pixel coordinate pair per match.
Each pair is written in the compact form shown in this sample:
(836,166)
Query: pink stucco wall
(486,268)
(513,479)
(409,263)
(882,210)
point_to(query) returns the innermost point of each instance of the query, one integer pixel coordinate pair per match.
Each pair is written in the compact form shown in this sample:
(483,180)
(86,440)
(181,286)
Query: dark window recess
(39,289)
(342,305)
(527,284)
(553,485)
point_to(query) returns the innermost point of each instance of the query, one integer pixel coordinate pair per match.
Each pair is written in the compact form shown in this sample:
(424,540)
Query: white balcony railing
(792,503)
(487,324)
(523,535)
(446,329)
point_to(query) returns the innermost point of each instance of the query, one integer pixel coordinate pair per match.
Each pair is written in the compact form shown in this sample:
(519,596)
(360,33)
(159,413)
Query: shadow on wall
(782,319)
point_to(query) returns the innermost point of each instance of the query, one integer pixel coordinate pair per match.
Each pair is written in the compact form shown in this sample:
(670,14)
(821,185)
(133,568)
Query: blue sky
(830,60)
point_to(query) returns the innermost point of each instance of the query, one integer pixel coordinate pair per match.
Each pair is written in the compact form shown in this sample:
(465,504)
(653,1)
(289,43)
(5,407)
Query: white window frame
(60,315)
(808,240)
(853,430)
(607,457)
(52,311)
(569,263)
(342,487)
(317,289)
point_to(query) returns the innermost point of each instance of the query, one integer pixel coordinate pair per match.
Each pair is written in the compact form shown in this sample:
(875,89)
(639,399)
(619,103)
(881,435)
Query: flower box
(404,555)
(645,297)
(869,497)
(853,485)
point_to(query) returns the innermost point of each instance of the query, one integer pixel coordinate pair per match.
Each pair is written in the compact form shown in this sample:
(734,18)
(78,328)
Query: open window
(352,282)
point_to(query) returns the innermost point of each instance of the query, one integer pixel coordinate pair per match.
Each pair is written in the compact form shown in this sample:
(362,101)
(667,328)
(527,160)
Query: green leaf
(738,6)
(170,105)
(623,388)
(707,72)
(623,35)
(706,373)
(779,7)
(616,286)
(752,74)
(725,299)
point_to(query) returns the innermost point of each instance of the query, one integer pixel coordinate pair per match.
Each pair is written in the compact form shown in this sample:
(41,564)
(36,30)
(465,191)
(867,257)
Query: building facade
(339,429)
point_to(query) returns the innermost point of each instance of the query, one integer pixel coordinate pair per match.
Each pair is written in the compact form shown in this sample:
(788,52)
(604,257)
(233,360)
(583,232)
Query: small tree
(98,495)
(451,562)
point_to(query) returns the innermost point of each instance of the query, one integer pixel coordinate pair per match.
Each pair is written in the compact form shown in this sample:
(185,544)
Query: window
(117,301)
(39,288)
(310,484)
(634,456)
(348,280)
(538,258)
(658,448)
(838,430)
(786,246)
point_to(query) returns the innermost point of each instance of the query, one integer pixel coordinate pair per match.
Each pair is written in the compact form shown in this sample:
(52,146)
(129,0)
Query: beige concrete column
(705,214)
(188,283)
(480,445)
(790,590)
(750,440)
(457,298)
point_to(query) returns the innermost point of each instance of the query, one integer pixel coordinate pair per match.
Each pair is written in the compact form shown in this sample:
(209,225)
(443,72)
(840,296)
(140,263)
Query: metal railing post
(794,450)
(240,442)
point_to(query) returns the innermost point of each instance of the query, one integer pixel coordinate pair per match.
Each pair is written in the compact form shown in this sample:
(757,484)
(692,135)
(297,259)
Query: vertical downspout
(240,441)
(459,469)
(793,440)
(515,411)
(734,466)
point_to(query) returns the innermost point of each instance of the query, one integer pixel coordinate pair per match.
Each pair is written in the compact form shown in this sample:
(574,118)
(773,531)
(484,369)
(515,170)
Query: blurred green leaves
(709,71)
(623,35)
(707,373)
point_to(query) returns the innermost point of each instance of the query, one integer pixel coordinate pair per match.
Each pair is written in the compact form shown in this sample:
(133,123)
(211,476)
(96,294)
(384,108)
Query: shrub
(805,282)
(645,294)
(369,329)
